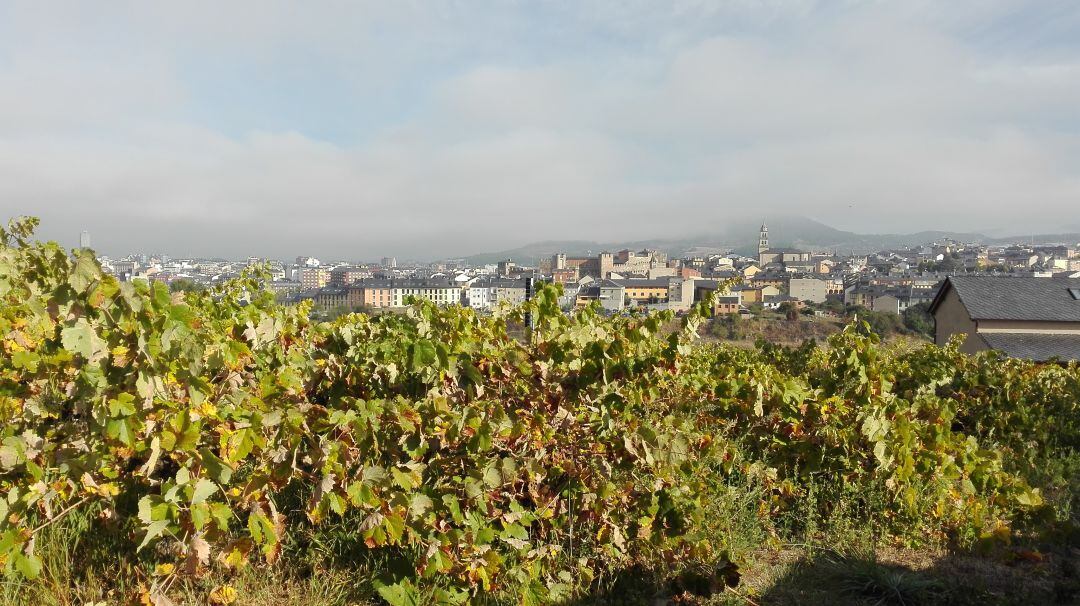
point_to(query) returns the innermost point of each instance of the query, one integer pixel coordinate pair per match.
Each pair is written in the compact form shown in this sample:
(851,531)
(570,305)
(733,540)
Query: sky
(357,129)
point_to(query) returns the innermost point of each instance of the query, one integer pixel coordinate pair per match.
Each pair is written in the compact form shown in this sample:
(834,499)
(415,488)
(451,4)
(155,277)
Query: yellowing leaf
(223,595)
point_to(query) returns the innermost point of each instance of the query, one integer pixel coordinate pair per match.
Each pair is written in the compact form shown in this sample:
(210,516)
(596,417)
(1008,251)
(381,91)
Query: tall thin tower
(763,241)
(84,239)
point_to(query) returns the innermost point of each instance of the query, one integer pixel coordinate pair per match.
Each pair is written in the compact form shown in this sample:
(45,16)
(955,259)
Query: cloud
(425,130)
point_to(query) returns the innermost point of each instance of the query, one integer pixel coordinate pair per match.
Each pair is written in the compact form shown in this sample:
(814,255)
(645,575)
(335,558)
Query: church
(782,256)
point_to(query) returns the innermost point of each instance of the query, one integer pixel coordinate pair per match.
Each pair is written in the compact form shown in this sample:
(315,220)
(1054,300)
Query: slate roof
(1011,298)
(507,283)
(786,251)
(642,283)
(1033,346)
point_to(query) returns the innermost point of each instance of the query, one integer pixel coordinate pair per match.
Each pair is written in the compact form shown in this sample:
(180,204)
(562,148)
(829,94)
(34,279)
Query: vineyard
(159,448)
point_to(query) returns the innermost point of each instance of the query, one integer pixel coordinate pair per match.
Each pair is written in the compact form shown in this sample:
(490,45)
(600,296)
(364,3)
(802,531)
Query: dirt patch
(792,576)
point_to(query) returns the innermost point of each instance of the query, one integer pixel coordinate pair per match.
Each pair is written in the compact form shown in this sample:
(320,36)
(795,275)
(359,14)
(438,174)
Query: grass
(861,575)
(774,573)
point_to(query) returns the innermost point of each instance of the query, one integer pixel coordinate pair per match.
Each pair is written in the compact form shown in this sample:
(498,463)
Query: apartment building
(439,292)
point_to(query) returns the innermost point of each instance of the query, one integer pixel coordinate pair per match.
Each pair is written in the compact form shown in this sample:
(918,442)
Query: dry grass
(779,576)
(253,587)
(796,575)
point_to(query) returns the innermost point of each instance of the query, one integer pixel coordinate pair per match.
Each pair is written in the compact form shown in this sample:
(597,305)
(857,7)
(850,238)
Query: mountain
(741,236)
(738,235)
(1065,238)
(530,253)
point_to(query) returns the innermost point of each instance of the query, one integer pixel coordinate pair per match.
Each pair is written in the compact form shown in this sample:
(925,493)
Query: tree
(883,324)
(918,319)
(789,310)
(185,285)
(835,306)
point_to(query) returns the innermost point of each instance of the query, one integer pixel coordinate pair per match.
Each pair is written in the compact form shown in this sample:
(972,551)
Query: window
(1075,292)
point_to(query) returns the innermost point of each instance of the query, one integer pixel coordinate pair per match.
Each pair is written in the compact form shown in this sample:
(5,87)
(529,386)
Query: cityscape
(887,281)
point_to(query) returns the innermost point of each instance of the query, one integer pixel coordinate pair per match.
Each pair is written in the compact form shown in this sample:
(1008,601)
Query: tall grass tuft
(859,574)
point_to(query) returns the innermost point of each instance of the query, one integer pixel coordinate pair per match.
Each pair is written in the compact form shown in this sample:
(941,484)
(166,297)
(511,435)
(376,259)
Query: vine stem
(744,598)
(60,515)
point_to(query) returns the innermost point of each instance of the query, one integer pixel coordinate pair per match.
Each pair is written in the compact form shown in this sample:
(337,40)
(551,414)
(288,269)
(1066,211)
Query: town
(811,282)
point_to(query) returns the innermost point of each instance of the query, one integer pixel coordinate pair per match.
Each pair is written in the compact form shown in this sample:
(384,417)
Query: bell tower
(763,241)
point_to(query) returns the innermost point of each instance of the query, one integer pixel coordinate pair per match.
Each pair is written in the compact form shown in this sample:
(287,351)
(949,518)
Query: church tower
(763,241)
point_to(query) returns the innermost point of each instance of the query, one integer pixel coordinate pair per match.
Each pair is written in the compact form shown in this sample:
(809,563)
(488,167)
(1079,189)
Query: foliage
(215,430)
(918,320)
(950,263)
(881,323)
(726,326)
(185,285)
(789,310)
(337,312)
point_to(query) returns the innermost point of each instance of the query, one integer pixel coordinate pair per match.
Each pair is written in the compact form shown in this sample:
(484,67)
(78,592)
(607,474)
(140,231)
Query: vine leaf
(401,593)
(203,490)
(82,339)
(153,530)
(85,273)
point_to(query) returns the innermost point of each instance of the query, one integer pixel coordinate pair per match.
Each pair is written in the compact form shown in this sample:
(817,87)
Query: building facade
(1032,318)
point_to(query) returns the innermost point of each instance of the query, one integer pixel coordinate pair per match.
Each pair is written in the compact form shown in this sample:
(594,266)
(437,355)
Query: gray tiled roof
(642,282)
(1009,298)
(1031,346)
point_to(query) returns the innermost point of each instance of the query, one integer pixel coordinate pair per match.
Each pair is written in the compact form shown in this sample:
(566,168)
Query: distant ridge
(1040,239)
(740,236)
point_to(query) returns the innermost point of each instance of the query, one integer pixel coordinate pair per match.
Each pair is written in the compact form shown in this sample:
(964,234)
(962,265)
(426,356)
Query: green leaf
(200,515)
(423,355)
(222,515)
(402,593)
(219,470)
(203,489)
(122,405)
(27,565)
(153,530)
(146,509)
(1029,498)
(26,360)
(451,503)
(81,338)
(120,429)
(879,452)
(373,473)
(85,272)
(492,476)
(420,504)
(12,452)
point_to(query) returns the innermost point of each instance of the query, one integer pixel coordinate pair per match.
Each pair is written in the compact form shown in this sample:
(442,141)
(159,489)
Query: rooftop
(1014,298)
(1037,347)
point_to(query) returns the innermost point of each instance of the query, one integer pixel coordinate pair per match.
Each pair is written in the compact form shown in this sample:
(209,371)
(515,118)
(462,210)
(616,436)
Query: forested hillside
(178,448)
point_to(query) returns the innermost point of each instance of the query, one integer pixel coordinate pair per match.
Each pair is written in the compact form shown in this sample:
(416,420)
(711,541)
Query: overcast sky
(421,129)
